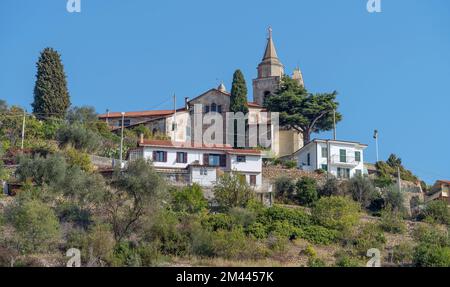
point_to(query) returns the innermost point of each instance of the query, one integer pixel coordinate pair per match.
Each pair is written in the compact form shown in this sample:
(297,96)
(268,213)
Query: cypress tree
(51,96)
(238,101)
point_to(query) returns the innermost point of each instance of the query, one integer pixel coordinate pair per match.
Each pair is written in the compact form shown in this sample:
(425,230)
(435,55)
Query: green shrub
(338,213)
(126,255)
(278,243)
(79,137)
(71,212)
(189,199)
(314,262)
(232,190)
(345,260)
(368,237)
(290,164)
(150,255)
(36,225)
(403,253)
(310,251)
(383,181)
(428,255)
(431,235)
(79,159)
(295,217)
(284,187)
(306,191)
(362,190)
(219,221)
(235,245)
(202,242)
(243,217)
(319,235)
(438,212)
(50,170)
(284,229)
(394,199)
(257,230)
(392,222)
(330,188)
(165,229)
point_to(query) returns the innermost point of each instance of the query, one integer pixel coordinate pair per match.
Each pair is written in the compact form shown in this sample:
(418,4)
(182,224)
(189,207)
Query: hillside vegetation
(135,218)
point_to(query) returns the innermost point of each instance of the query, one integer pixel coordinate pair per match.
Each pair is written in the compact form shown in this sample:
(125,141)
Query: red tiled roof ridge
(138,114)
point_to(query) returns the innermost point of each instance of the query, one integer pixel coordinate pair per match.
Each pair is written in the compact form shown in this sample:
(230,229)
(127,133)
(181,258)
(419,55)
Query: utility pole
(174,125)
(399,179)
(121,140)
(334,124)
(23,129)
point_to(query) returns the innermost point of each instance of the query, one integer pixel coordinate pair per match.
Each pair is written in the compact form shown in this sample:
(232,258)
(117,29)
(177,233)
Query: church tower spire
(270,71)
(270,65)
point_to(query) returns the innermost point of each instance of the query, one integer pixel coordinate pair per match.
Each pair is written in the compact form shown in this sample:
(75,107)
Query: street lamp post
(121,140)
(375,136)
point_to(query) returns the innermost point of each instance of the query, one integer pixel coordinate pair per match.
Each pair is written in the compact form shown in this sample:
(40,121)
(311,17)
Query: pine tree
(51,96)
(238,101)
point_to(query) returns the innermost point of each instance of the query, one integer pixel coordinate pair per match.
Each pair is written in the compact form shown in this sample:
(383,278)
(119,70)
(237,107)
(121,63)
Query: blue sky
(392,69)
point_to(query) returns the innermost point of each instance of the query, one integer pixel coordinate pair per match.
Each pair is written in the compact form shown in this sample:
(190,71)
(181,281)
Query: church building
(176,124)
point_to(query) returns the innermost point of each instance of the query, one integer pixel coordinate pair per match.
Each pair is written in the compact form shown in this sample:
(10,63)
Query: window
(219,109)
(136,154)
(213,107)
(358,172)
(206,109)
(325,167)
(203,171)
(308,159)
(357,156)
(181,157)
(241,158)
(215,160)
(342,155)
(160,156)
(343,173)
(324,152)
(252,180)
(126,123)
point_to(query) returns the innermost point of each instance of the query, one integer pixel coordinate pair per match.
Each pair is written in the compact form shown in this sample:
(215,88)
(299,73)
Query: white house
(343,159)
(185,163)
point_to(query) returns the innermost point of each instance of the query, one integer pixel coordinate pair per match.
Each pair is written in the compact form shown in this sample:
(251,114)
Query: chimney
(142,139)
(186,103)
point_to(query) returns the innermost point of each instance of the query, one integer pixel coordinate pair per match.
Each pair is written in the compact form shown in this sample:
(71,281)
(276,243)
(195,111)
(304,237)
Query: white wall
(193,155)
(302,158)
(204,180)
(251,164)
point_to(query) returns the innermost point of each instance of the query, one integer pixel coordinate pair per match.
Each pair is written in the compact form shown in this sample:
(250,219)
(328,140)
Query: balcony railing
(347,161)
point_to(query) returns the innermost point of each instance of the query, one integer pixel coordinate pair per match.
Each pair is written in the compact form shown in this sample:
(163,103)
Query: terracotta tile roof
(444,181)
(253,105)
(137,114)
(220,147)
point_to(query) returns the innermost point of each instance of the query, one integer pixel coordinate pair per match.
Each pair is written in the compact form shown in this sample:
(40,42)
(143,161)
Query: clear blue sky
(392,69)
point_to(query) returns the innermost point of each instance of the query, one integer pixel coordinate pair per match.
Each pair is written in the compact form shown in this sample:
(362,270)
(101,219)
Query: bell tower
(270,71)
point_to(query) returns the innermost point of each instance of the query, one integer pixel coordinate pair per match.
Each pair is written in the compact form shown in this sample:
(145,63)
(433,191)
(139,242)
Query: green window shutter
(343,155)
(358,156)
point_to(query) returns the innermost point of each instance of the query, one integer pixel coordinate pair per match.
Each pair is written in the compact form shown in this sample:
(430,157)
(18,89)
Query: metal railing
(348,160)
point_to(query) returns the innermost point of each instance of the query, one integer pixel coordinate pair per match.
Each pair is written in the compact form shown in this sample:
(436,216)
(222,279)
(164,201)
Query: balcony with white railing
(345,161)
